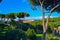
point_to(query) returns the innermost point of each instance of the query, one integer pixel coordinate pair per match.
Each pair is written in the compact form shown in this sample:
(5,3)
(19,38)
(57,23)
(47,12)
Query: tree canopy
(47,4)
(0,0)
(22,15)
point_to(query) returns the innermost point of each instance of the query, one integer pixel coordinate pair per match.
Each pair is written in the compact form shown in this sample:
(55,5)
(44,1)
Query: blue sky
(7,6)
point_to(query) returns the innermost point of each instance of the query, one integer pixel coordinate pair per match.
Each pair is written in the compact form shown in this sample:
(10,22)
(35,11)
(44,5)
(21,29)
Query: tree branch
(50,14)
(54,7)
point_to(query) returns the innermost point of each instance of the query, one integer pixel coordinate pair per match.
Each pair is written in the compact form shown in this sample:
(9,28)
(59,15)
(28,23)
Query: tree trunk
(44,36)
(47,20)
(44,28)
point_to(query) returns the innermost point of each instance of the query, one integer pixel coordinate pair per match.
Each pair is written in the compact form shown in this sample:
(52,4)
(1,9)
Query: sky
(7,6)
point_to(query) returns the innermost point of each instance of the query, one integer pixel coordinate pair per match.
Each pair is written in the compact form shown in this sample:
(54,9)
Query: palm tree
(51,5)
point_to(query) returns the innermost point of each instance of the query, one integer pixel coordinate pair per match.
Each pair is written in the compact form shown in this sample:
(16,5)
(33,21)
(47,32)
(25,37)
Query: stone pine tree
(51,5)
(12,16)
(22,15)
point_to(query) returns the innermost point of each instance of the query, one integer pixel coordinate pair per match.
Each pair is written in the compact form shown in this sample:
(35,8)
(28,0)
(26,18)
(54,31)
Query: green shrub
(14,35)
(31,34)
(54,38)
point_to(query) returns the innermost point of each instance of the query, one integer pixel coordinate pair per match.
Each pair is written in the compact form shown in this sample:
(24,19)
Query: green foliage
(31,34)
(54,22)
(54,38)
(47,4)
(39,38)
(22,15)
(28,30)
(13,35)
(12,15)
(49,30)
(26,26)
(2,25)
(2,15)
(38,29)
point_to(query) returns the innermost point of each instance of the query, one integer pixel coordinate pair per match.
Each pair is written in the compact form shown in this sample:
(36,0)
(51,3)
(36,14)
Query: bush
(31,34)
(49,30)
(54,38)
(2,37)
(14,35)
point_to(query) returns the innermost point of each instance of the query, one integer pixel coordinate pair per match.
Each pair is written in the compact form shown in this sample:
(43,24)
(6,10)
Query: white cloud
(36,18)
